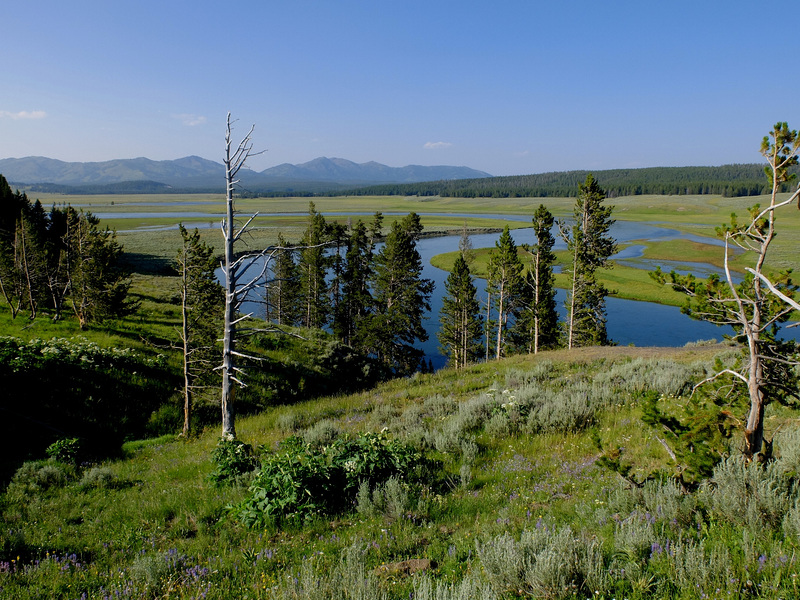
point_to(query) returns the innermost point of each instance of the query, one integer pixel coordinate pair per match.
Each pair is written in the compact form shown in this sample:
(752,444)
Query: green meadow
(513,502)
(698,214)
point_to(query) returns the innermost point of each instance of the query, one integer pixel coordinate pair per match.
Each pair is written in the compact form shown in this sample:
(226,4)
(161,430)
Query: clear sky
(505,86)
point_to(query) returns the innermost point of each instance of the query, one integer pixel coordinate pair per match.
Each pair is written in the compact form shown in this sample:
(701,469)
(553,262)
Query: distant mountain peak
(192,172)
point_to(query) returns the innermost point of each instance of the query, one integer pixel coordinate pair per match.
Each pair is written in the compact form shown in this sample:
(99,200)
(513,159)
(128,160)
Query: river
(629,322)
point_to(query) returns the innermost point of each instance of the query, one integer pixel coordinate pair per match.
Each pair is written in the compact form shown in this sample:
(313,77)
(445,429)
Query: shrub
(391,499)
(787,447)
(233,459)
(633,539)
(294,485)
(299,482)
(289,422)
(544,563)
(98,478)
(748,493)
(665,502)
(469,588)
(633,377)
(168,418)
(347,578)
(37,477)
(439,407)
(64,450)
(152,573)
(694,567)
(321,434)
(570,410)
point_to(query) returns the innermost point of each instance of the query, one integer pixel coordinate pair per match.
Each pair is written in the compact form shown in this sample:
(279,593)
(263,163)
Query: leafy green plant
(65,450)
(233,459)
(302,481)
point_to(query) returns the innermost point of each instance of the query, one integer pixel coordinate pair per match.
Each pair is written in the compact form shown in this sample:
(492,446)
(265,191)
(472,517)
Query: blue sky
(508,87)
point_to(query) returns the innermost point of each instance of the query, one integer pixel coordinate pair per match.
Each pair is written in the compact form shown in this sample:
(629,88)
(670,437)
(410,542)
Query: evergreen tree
(504,278)
(283,291)
(590,246)
(202,303)
(98,287)
(337,233)
(356,301)
(460,321)
(313,267)
(767,370)
(20,256)
(59,259)
(537,325)
(401,297)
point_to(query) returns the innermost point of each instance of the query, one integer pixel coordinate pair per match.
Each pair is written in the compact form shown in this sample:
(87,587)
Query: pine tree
(504,278)
(768,368)
(356,301)
(460,321)
(98,287)
(465,245)
(201,314)
(401,297)
(537,325)
(282,293)
(337,234)
(590,246)
(313,266)
(22,260)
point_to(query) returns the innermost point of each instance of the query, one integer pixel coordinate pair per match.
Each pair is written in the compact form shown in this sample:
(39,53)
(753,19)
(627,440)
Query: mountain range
(193,172)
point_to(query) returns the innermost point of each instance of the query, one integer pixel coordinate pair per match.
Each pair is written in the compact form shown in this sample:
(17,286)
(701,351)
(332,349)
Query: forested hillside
(727,180)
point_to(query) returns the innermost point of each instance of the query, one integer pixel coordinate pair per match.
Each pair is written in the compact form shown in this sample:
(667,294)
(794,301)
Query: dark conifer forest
(727,180)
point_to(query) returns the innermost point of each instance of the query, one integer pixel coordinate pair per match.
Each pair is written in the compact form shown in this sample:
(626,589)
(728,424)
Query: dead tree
(238,279)
(243,273)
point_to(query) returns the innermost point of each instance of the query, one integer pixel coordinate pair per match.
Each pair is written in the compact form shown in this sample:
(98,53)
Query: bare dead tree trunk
(234,161)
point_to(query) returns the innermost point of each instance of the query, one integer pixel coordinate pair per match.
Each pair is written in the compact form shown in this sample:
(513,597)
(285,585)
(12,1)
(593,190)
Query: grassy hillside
(511,503)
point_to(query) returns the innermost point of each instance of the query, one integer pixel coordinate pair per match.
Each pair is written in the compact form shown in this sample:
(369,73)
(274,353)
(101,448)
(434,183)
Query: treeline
(727,180)
(337,279)
(58,260)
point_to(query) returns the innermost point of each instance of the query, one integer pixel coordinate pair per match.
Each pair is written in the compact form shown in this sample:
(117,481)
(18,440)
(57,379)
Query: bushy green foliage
(77,387)
(697,428)
(38,477)
(64,450)
(233,459)
(300,482)
(298,367)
